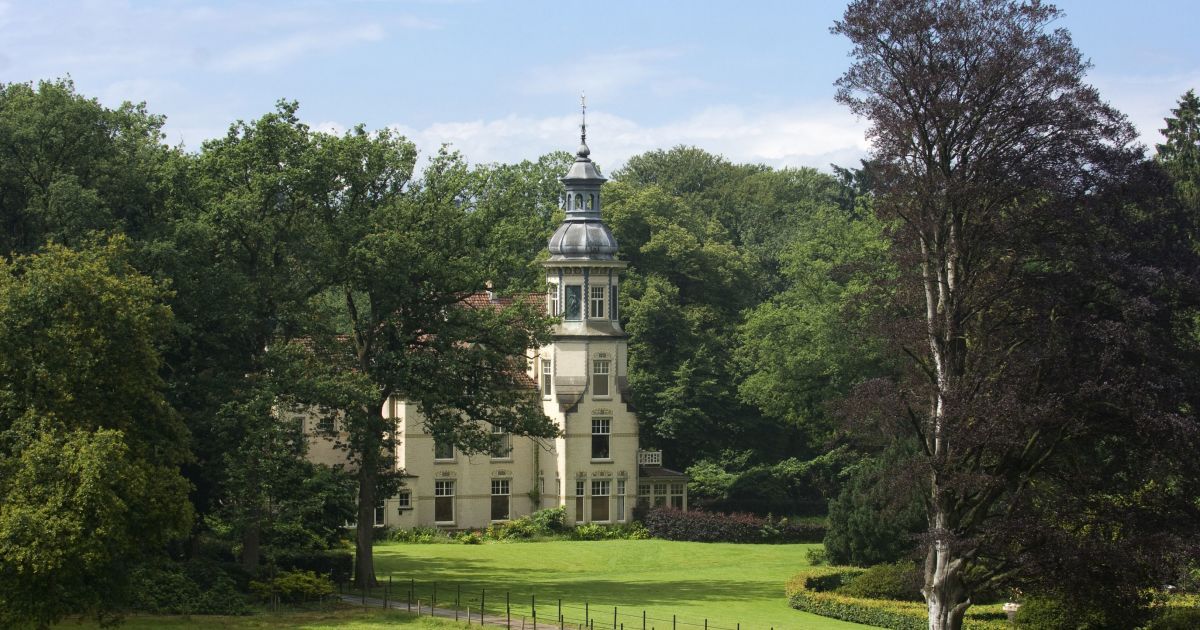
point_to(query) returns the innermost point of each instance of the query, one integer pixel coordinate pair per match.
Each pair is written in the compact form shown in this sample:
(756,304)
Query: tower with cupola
(583,371)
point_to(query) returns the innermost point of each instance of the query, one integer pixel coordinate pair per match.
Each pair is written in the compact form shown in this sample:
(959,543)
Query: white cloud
(605,75)
(271,54)
(801,136)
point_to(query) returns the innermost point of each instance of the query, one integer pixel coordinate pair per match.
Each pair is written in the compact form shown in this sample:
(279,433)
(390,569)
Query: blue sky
(500,80)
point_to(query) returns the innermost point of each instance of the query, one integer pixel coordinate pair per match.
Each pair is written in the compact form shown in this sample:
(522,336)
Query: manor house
(595,467)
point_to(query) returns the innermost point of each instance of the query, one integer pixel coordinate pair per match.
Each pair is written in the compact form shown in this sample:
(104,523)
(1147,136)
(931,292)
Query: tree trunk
(944,591)
(364,561)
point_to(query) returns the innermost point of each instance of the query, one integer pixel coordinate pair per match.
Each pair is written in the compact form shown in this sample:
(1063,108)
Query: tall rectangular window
(573,298)
(443,450)
(596,302)
(547,375)
(600,377)
(500,495)
(643,499)
(601,431)
(660,495)
(600,492)
(579,489)
(380,516)
(612,303)
(503,449)
(443,501)
(620,499)
(552,291)
(677,496)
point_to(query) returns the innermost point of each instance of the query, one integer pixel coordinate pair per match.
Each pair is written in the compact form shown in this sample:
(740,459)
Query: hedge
(701,526)
(812,591)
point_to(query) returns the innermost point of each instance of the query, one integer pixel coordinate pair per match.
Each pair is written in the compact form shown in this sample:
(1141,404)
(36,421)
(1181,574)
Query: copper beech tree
(1045,279)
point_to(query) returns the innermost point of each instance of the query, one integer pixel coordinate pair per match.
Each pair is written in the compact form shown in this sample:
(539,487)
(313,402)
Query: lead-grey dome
(588,239)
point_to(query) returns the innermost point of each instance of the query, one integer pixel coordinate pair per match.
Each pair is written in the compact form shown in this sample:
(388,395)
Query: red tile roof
(489,299)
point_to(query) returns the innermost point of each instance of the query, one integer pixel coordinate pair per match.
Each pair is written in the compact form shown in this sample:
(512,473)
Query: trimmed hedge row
(700,526)
(811,591)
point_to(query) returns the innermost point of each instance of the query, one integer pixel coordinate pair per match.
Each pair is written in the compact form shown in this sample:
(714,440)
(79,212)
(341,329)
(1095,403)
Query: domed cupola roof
(583,235)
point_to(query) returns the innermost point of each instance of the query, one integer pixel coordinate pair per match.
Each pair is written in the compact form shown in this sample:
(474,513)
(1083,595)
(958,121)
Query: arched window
(591,201)
(578,201)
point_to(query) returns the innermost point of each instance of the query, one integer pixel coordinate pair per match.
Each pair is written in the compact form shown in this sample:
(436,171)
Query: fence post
(587,616)
(643,620)
(672,622)
(533,608)
(560,616)
(434,604)
(482,599)
(507,611)
(458,596)
(614,618)
(705,624)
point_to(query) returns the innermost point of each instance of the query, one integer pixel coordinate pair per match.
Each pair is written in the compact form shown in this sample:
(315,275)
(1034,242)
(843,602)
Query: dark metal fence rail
(493,606)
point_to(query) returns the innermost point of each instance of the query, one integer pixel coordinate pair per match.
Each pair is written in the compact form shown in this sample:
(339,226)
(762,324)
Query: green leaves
(89,449)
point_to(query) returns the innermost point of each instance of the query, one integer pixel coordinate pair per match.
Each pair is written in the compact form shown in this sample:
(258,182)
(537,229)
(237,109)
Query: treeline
(157,307)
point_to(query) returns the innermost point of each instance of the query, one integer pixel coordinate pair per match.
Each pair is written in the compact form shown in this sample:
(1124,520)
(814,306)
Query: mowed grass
(342,617)
(726,584)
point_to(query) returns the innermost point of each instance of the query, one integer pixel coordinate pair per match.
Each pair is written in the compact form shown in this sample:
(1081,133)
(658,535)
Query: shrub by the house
(700,526)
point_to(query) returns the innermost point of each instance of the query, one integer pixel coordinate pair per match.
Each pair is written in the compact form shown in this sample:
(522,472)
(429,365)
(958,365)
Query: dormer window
(596,303)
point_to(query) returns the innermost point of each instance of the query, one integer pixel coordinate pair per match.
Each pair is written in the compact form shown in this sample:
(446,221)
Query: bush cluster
(816,591)
(543,524)
(700,526)
(336,564)
(186,588)
(294,587)
(899,580)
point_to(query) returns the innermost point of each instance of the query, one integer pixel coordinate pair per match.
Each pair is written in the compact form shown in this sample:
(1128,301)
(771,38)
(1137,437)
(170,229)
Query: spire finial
(583,151)
(583,118)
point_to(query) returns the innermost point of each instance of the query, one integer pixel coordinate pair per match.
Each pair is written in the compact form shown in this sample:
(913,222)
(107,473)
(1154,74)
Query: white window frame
(505,454)
(547,378)
(621,500)
(602,427)
(403,500)
(501,488)
(555,303)
(442,489)
(601,373)
(596,303)
(601,494)
(677,490)
(580,501)
(380,517)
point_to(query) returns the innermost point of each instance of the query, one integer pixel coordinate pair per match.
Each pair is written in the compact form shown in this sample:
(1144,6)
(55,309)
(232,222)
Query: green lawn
(352,618)
(727,584)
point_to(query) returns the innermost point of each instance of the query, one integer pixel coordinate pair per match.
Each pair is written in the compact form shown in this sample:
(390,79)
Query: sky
(499,80)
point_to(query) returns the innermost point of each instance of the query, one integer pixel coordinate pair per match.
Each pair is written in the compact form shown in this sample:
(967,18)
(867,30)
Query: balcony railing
(650,458)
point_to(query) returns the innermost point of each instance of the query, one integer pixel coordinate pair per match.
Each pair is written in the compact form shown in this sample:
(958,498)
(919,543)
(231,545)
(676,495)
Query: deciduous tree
(1038,329)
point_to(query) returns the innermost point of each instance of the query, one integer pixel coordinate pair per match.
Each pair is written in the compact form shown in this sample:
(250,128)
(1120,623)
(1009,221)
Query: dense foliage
(1044,279)
(701,526)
